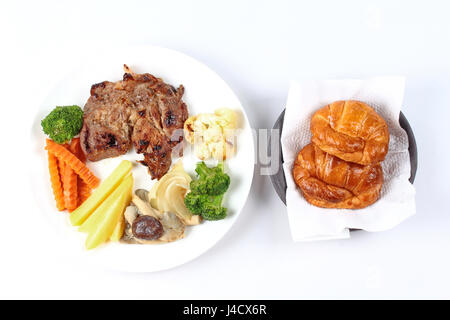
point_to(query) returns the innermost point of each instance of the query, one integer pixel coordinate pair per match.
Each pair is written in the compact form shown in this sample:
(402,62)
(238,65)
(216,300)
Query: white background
(257,47)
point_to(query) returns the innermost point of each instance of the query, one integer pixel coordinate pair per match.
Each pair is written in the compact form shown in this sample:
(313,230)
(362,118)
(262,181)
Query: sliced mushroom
(173,227)
(145,208)
(147,228)
(130,213)
(143,194)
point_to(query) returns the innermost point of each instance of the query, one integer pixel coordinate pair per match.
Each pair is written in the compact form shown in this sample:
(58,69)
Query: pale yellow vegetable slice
(118,230)
(78,216)
(101,224)
(96,218)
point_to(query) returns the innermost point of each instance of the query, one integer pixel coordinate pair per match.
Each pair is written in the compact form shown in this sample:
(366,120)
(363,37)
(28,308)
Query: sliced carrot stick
(55,180)
(61,166)
(70,180)
(84,191)
(75,148)
(70,189)
(73,162)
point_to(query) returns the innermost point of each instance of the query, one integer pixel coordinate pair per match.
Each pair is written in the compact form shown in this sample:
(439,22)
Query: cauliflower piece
(201,151)
(227,118)
(212,134)
(189,129)
(217,149)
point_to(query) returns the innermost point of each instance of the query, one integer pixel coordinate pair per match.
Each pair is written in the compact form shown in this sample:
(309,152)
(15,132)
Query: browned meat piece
(150,141)
(140,110)
(105,132)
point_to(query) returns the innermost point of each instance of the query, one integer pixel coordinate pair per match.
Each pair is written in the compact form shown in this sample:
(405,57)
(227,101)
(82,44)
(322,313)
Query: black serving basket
(279,179)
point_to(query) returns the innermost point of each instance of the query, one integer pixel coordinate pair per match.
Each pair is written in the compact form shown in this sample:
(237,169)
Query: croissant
(329,182)
(352,131)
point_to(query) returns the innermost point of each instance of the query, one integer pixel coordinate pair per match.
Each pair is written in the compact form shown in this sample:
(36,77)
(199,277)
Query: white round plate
(205,91)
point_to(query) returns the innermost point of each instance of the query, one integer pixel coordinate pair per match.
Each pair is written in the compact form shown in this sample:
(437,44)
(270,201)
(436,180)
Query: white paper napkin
(397,202)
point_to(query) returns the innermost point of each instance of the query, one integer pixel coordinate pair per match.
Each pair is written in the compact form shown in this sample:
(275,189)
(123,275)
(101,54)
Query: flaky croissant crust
(352,131)
(329,182)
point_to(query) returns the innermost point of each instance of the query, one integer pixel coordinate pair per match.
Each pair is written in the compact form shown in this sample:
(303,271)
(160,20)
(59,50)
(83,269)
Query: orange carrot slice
(70,189)
(55,180)
(70,180)
(75,148)
(61,165)
(84,191)
(73,162)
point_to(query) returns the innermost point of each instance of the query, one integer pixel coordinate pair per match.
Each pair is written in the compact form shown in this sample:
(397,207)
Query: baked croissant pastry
(352,131)
(329,182)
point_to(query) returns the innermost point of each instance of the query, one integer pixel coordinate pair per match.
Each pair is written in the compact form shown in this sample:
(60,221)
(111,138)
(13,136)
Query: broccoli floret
(207,192)
(212,181)
(63,123)
(213,210)
(209,207)
(195,202)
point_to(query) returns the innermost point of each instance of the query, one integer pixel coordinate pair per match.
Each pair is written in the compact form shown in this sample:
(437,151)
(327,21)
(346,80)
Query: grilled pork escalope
(141,111)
